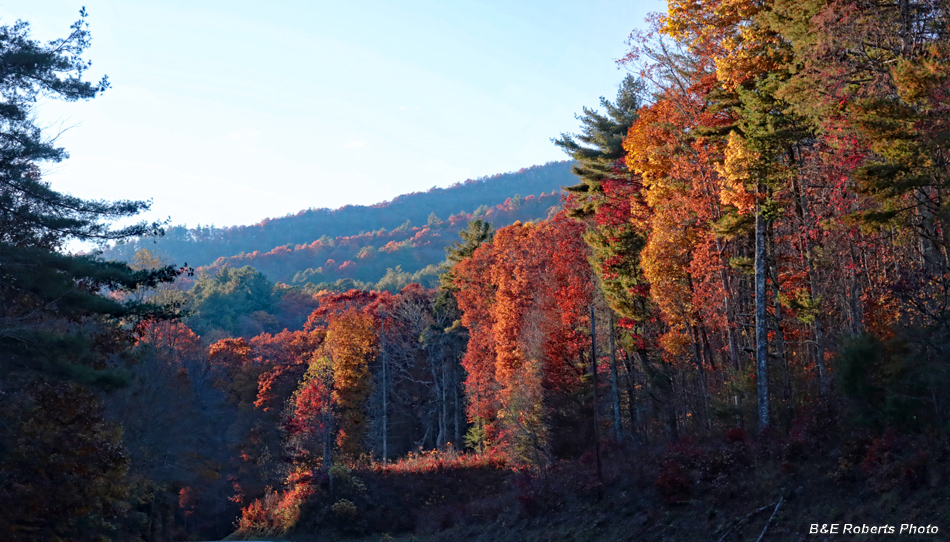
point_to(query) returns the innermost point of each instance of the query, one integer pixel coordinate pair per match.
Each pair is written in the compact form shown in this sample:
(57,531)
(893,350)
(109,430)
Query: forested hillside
(735,326)
(203,245)
(370,257)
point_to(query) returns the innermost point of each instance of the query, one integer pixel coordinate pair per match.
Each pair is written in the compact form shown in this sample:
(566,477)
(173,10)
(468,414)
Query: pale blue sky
(227,112)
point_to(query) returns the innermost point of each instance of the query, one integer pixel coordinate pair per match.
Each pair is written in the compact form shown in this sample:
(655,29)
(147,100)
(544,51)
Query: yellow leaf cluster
(736,172)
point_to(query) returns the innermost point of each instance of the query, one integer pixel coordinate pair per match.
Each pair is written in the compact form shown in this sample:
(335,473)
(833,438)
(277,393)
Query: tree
(63,469)
(478,232)
(237,301)
(606,195)
(598,150)
(62,317)
(524,298)
(351,345)
(50,300)
(749,58)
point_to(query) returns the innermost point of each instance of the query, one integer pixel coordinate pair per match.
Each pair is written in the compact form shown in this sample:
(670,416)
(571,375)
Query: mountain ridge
(325,245)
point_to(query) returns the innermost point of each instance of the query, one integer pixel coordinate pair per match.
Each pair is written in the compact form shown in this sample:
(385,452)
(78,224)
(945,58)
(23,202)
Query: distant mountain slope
(368,256)
(205,244)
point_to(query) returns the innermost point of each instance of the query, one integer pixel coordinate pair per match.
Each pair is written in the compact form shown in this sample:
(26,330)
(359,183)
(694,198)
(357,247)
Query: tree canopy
(50,298)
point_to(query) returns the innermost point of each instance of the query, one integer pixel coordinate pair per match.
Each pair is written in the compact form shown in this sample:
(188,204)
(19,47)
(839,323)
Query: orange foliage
(438,460)
(524,299)
(172,341)
(351,345)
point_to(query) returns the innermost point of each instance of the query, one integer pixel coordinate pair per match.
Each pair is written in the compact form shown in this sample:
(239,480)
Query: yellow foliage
(665,261)
(736,173)
(675,344)
(351,342)
(743,49)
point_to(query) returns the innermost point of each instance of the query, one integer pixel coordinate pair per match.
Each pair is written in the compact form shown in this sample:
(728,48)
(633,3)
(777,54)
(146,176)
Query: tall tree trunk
(672,417)
(761,316)
(593,356)
(854,298)
(328,437)
(618,426)
(777,319)
(444,415)
(814,288)
(700,361)
(632,411)
(382,351)
(727,305)
(458,407)
(439,423)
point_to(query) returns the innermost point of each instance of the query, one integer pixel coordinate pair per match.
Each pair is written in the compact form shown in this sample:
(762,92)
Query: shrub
(344,508)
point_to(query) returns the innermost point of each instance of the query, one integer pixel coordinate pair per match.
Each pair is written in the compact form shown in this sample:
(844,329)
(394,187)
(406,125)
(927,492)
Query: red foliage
(524,299)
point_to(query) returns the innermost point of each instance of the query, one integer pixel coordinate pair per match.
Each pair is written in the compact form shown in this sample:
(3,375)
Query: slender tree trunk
(327,440)
(777,318)
(701,368)
(672,417)
(618,426)
(632,411)
(385,393)
(727,305)
(444,416)
(783,358)
(761,316)
(439,423)
(857,308)
(593,356)
(458,410)
(814,288)
(704,361)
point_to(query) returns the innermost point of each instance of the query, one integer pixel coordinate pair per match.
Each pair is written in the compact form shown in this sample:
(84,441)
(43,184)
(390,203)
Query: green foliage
(743,264)
(396,279)
(237,301)
(64,320)
(807,308)
(598,149)
(478,233)
(599,163)
(54,318)
(31,213)
(477,438)
(733,225)
(339,285)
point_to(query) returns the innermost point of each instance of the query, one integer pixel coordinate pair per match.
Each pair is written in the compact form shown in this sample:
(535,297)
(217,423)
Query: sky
(227,112)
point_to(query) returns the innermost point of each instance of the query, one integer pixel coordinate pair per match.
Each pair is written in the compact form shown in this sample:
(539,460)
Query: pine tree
(54,317)
(604,195)
(598,149)
(478,232)
(65,320)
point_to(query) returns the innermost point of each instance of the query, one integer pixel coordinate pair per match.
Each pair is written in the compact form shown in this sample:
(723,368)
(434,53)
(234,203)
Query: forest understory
(735,487)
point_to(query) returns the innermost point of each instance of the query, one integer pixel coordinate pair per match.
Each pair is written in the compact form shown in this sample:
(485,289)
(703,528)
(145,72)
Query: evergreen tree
(598,149)
(65,320)
(54,317)
(478,232)
(237,301)
(604,195)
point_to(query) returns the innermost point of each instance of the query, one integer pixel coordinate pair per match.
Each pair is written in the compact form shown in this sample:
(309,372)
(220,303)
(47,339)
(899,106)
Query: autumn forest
(726,315)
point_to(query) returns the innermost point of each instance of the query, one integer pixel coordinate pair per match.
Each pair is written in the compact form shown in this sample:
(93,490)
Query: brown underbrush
(727,486)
